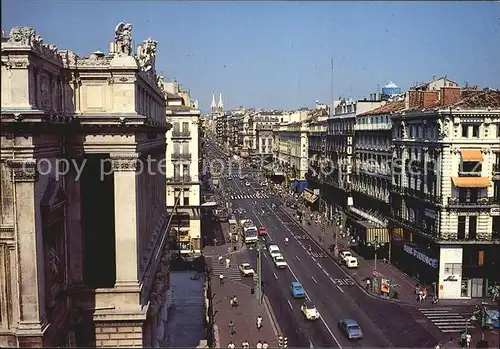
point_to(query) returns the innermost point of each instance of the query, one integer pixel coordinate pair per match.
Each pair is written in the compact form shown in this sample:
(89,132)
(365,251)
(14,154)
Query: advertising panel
(450,272)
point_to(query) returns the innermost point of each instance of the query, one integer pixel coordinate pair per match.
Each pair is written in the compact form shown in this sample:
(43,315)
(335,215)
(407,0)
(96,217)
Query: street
(334,293)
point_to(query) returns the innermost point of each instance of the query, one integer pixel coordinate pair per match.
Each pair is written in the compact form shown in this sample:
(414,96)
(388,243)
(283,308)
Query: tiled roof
(389,107)
(173,96)
(179,107)
(480,99)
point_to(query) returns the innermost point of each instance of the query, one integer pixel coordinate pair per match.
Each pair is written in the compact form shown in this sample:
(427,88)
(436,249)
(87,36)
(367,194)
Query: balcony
(182,134)
(468,203)
(180,179)
(430,232)
(434,199)
(376,126)
(181,156)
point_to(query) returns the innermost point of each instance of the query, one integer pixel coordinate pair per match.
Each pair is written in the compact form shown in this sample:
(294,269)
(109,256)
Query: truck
(249,232)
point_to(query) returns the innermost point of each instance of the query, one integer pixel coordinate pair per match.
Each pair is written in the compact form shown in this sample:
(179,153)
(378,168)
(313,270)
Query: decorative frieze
(26,36)
(124,162)
(24,171)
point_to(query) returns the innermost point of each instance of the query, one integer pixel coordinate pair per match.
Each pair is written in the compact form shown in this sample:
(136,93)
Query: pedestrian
(368,283)
(424,294)
(235,302)
(265,345)
(221,279)
(231,345)
(420,295)
(215,241)
(468,339)
(245,344)
(259,345)
(220,258)
(231,302)
(231,328)
(228,263)
(259,322)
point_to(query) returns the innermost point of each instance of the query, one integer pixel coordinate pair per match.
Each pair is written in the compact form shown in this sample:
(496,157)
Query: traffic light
(285,342)
(280,341)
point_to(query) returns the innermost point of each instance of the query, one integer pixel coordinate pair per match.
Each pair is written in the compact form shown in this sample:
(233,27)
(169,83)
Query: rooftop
(389,107)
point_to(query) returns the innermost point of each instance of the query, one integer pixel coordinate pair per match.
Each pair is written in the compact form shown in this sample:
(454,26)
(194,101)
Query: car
(297,290)
(350,328)
(246,269)
(351,262)
(273,250)
(242,177)
(262,231)
(280,262)
(247,184)
(344,254)
(309,310)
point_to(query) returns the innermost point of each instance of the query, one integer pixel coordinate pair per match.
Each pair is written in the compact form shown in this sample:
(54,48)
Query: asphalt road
(334,293)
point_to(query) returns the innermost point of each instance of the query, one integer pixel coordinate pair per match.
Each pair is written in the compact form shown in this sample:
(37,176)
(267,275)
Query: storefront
(298,185)
(368,235)
(417,263)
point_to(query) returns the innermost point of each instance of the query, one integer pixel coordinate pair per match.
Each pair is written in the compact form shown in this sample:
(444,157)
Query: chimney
(429,98)
(414,99)
(450,95)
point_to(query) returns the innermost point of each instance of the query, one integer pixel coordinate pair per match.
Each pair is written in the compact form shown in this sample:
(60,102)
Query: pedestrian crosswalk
(445,319)
(231,273)
(249,196)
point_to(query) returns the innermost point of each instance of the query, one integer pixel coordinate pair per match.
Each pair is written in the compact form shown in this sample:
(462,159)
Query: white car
(309,310)
(351,262)
(246,269)
(280,262)
(242,177)
(247,184)
(344,254)
(274,251)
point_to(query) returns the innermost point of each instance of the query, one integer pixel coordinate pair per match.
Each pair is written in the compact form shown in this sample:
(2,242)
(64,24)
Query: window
(472,227)
(185,148)
(177,148)
(452,268)
(465,129)
(470,168)
(185,200)
(461,228)
(411,131)
(475,131)
(176,127)
(185,170)
(177,170)
(480,258)
(185,127)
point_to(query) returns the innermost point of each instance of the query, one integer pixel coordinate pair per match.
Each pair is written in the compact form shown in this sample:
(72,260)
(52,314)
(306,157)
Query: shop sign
(316,192)
(495,211)
(451,278)
(430,213)
(419,255)
(384,285)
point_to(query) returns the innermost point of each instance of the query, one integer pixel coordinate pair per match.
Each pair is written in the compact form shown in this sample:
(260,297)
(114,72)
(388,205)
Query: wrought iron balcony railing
(179,179)
(181,134)
(471,203)
(181,156)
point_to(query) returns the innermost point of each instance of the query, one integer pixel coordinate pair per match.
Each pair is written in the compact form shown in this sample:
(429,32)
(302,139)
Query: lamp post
(259,272)
(375,244)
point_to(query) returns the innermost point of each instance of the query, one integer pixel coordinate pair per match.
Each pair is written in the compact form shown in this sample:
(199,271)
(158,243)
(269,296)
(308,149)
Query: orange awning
(472,155)
(471,182)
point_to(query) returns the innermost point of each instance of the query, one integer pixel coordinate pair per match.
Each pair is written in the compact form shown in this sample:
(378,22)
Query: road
(334,293)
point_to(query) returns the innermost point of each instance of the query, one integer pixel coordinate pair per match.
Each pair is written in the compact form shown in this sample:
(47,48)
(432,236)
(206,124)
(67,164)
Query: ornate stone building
(82,214)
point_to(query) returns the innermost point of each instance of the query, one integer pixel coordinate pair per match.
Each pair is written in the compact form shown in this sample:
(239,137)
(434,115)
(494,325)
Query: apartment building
(220,119)
(183,168)
(444,207)
(317,154)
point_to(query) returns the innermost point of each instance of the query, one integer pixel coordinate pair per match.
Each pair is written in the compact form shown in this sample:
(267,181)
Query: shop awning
(471,182)
(472,155)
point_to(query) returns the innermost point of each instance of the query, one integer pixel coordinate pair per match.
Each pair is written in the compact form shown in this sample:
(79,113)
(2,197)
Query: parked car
(309,310)
(351,262)
(297,290)
(351,329)
(344,254)
(246,269)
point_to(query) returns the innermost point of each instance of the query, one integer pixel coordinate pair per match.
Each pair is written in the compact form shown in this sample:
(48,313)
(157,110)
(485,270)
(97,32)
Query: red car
(262,231)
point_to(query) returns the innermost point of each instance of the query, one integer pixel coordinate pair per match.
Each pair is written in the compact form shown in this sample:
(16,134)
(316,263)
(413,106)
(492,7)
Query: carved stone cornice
(24,170)
(124,162)
(16,64)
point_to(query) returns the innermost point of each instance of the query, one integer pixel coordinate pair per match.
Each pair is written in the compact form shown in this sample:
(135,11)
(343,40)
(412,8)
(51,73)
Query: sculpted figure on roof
(147,54)
(123,38)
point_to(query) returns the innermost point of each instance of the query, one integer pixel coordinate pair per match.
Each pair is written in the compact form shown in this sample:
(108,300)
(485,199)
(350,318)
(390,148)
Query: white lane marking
(324,271)
(312,277)
(341,290)
(321,318)
(289,304)
(314,259)
(297,258)
(275,276)
(320,266)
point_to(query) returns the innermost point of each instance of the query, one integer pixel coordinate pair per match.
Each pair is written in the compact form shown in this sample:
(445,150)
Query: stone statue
(22,36)
(159,82)
(123,38)
(54,263)
(147,55)
(403,129)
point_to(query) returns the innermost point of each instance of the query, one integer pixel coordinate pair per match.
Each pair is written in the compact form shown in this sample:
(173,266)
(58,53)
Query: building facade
(81,255)
(183,168)
(444,205)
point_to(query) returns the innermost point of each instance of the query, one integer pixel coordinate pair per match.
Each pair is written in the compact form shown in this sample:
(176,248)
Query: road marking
(275,276)
(344,282)
(326,273)
(321,318)
(311,344)
(341,290)
(297,258)
(289,304)
(314,259)
(312,277)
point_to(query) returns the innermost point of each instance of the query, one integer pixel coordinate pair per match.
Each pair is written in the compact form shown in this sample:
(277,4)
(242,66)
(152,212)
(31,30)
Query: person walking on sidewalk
(231,328)
(221,279)
(424,294)
(220,258)
(231,345)
(265,345)
(259,322)
(245,344)
(468,339)
(259,345)
(228,262)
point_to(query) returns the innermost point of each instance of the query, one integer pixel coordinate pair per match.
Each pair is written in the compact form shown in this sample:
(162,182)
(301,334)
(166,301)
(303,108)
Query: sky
(277,55)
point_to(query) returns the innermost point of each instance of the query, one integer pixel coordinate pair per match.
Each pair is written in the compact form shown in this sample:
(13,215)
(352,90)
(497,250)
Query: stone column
(29,247)
(124,172)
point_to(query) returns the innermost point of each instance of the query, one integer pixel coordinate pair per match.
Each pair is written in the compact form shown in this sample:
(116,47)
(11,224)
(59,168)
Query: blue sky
(277,54)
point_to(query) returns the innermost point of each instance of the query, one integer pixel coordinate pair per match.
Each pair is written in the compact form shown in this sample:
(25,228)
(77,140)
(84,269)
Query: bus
(249,232)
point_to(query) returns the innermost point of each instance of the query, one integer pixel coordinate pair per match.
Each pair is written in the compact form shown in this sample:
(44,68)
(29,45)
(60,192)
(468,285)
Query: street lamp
(375,244)
(259,292)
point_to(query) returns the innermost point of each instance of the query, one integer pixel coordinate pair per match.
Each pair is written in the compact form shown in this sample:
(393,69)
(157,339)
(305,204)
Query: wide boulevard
(335,294)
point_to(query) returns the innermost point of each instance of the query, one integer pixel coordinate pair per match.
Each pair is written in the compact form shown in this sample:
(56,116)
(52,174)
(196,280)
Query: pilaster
(125,171)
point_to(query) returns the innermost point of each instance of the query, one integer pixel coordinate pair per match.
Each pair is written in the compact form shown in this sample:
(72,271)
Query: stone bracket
(24,171)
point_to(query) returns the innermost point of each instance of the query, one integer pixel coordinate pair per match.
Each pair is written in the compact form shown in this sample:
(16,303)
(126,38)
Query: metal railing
(181,156)
(469,202)
(181,134)
(179,179)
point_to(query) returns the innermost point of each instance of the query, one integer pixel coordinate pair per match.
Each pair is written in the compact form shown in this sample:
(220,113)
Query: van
(351,262)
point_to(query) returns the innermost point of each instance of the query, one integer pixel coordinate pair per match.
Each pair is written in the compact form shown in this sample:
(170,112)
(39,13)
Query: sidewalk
(245,315)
